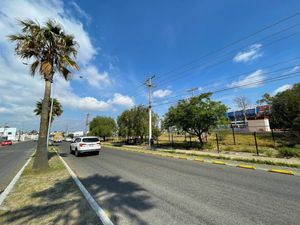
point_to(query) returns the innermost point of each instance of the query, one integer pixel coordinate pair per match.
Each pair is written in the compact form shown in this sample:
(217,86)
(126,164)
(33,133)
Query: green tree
(103,127)
(196,116)
(285,110)
(266,99)
(49,50)
(57,109)
(133,123)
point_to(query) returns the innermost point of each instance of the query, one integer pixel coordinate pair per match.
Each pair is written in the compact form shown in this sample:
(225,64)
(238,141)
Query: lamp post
(50,116)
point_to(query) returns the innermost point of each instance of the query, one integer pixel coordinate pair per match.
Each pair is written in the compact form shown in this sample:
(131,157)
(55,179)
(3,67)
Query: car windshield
(90,139)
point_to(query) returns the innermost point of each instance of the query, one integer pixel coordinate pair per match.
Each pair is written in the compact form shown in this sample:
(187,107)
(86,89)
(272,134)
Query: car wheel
(76,153)
(97,153)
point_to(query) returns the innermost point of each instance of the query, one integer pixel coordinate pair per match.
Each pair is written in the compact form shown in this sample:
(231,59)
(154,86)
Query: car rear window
(90,139)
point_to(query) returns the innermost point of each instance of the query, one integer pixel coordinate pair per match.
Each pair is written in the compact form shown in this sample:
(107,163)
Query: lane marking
(13,182)
(97,209)
(288,172)
(246,166)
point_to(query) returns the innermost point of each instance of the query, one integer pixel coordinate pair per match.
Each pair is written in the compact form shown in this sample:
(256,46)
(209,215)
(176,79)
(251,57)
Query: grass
(46,197)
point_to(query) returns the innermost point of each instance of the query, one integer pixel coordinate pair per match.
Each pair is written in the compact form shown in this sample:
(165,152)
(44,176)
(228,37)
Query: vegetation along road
(12,158)
(144,189)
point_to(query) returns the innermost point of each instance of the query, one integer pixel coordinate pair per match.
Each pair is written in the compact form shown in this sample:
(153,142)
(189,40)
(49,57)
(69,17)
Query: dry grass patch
(46,197)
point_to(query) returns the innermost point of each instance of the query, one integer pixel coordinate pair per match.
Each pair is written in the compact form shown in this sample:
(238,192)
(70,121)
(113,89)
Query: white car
(68,139)
(85,144)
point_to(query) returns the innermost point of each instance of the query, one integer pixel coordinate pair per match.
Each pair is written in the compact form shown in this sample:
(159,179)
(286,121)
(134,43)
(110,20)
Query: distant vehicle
(84,145)
(58,137)
(5,142)
(68,139)
(36,138)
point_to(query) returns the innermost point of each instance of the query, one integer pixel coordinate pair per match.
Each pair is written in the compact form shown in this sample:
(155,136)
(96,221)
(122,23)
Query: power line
(215,63)
(235,42)
(282,77)
(238,75)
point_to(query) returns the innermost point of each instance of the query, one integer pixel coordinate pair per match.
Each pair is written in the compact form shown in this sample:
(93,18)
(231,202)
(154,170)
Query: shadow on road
(61,204)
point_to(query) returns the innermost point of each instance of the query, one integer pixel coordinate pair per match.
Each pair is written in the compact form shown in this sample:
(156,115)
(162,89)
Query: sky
(231,48)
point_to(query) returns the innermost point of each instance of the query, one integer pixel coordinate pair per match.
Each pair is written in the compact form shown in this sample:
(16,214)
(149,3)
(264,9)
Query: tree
(285,110)
(103,127)
(266,99)
(243,104)
(196,116)
(49,50)
(133,123)
(57,109)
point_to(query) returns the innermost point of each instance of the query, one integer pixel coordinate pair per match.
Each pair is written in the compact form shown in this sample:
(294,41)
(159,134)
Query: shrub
(289,152)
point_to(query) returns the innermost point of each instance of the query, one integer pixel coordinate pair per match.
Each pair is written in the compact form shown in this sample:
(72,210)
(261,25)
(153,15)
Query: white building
(77,133)
(9,132)
(261,125)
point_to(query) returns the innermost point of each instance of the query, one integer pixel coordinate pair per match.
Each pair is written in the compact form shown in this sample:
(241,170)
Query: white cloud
(122,100)
(18,90)
(41,11)
(161,93)
(282,88)
(94,77)
(253,52)
(293,70)
(254,79)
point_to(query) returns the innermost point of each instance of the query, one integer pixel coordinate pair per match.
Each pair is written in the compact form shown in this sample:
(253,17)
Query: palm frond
(34,67)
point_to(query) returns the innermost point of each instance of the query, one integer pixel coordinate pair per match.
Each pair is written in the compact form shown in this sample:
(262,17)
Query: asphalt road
(12,158)
(144,189)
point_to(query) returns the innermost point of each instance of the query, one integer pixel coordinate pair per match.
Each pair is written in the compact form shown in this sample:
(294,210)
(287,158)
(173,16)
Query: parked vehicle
(5,142)
(84,145)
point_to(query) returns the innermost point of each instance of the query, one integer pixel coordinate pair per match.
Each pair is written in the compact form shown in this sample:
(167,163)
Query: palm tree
(50,50)
(57,109)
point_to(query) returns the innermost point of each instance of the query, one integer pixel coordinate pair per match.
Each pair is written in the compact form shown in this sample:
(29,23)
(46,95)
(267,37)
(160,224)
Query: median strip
(287,172)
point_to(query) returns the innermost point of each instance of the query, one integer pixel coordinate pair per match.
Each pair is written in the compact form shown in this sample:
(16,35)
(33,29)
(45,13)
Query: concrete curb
(287,172)
(13,182)
(97,209)
(216,162)
(246,166)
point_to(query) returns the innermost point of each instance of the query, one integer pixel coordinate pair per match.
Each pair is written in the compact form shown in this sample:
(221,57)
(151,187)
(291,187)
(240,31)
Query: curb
(11,185)
(218,162)
(97,209)
(287,172)
(246,166)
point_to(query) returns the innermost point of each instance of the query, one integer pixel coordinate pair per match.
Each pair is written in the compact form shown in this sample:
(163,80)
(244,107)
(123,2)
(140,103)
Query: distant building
(256,119)
(9,132)
(77,133)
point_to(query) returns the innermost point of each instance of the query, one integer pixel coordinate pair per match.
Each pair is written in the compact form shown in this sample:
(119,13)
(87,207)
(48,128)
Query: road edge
(95,206)
(11,185)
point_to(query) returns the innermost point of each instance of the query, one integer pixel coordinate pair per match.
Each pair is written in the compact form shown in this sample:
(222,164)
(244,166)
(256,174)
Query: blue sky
(123,42)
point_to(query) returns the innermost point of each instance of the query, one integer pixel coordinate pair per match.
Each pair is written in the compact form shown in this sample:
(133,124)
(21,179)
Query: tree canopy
(133,123)
(196,115)
(285,110)
(103,127)
(57,109)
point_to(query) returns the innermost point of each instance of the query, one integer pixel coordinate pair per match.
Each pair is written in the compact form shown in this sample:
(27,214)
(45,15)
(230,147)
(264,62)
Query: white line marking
(12,183)
(98,210)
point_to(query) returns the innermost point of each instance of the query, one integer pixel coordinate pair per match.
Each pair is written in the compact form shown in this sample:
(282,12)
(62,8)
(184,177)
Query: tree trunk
(200,139)
(41,155)
(103,138)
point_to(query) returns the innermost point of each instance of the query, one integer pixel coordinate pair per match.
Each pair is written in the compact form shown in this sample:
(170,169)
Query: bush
(289,152)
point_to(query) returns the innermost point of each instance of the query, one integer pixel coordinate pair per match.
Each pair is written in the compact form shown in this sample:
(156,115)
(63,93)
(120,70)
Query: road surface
(12,158)
(144,189)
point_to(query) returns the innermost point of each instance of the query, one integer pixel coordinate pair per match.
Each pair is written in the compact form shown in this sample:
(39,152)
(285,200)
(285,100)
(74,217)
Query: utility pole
(87,123)
(149,84)
(192,90)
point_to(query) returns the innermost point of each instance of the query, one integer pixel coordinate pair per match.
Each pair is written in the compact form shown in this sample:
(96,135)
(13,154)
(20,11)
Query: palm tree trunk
(41,155)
